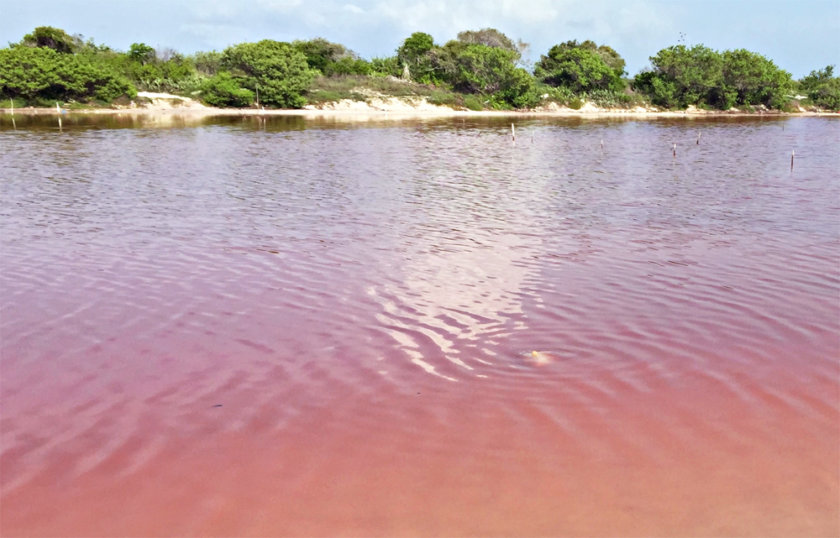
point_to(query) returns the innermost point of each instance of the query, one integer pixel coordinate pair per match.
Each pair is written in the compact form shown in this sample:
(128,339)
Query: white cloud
(352,8)
(279,6)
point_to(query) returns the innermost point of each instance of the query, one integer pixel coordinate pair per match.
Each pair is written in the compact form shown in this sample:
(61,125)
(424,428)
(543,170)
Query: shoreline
(402,112)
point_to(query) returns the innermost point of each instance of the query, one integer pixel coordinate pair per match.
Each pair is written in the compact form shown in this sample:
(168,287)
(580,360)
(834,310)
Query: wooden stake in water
(674,150)
(602,145)
(698,138)
(792,154)
(512,132)
(12,104)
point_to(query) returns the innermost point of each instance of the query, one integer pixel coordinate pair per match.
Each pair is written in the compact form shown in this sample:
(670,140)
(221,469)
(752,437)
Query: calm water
(247,327)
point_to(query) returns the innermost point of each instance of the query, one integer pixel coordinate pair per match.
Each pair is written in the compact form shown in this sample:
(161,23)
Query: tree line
(481,69)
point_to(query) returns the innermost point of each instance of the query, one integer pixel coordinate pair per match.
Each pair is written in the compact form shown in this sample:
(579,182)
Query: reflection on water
(261,326)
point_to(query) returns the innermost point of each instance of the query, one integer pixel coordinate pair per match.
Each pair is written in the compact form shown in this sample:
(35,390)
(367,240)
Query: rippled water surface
(289,326)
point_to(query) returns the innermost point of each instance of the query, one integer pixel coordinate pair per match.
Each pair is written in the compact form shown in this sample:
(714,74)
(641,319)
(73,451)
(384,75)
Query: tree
(52,38)
(751,79)
(580,67)
(418,53)
(822,87)
(698,75)
(141,53)
(683,76)
(207,63)
(486,70)
(278,69)
(332,58)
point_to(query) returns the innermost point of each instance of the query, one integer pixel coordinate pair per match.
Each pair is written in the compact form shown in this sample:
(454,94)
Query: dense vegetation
(479,69)
(698,75)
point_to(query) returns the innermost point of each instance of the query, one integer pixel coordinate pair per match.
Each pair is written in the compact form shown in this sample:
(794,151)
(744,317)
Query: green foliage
(278,70)
(42,73)
(331,58)
(52,38)
(827,95)
(823,88)
(557,94)
(752,79)
(480,69)
(614,99)
(222,90)
(443,97)
(418,54)
(141,53)
(473,102)
(151,74)
(207,63)
(385,67)
(485,70)
(581,67)
(683,76)
(348,66)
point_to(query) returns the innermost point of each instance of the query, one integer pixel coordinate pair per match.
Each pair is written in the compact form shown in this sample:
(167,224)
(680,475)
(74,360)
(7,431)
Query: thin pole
(512,132)
(698,138)
(674,150)
(792,154)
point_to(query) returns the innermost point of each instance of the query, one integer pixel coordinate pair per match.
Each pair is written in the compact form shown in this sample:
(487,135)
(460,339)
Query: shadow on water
(83,121)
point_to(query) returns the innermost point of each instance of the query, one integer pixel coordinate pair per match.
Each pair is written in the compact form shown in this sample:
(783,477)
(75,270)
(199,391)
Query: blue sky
(798,35)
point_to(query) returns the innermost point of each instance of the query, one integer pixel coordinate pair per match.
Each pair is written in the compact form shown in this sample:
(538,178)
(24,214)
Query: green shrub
(581,67)
(31,73)
(443,97)
(698,75)
(822,88)
(473,102)
(223,90)
(277,69)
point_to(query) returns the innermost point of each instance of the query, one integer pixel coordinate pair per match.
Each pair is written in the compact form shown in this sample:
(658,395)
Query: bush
(277,70)
(331,58)
(700,76)
(223,91)
(443,98)
(823,88)
(581,67)
(473,102)
(32,73)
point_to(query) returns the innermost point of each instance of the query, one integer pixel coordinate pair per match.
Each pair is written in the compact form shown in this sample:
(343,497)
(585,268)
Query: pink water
(247,328)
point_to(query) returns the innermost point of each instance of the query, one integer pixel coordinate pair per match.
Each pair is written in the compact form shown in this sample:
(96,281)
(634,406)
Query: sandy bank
(382,107)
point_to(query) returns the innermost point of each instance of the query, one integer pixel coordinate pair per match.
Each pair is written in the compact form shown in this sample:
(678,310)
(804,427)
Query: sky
(798,35)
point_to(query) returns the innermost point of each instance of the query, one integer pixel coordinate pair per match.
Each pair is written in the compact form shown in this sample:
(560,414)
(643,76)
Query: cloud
(352,8)
(278,6)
